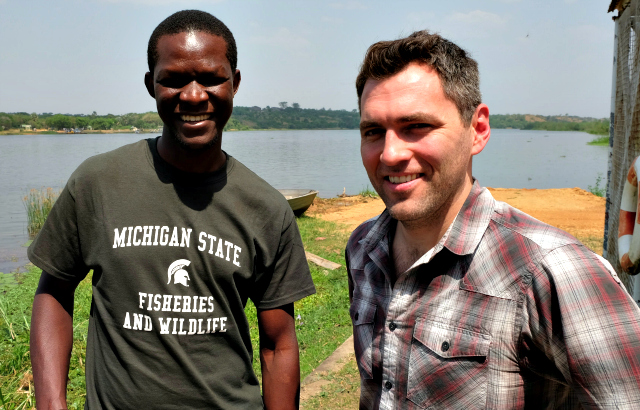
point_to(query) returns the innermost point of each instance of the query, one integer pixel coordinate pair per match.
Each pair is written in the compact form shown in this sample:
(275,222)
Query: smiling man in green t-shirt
(179,235)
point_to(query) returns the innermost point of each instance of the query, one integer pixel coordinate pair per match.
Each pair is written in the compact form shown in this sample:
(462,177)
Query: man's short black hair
(191,20)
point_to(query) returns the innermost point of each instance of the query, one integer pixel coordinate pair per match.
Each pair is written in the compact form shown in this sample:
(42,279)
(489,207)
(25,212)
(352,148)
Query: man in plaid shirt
(459,301)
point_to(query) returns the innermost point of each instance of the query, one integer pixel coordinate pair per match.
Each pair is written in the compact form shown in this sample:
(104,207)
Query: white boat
(299,199)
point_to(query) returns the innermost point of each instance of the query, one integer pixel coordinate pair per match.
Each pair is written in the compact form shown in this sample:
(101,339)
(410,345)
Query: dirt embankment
(572,209)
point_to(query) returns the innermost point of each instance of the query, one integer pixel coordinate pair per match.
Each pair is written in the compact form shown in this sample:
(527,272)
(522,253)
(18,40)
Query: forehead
(414,80)
(415,89)
(191,46)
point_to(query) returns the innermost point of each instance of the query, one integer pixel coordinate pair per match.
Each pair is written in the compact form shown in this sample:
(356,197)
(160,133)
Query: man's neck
(205,160)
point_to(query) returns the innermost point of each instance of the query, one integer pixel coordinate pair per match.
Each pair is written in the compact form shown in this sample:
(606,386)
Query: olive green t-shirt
(175,256)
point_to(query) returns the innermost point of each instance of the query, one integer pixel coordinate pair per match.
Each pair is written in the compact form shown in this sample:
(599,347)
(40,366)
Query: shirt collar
(471,222)
(463,236)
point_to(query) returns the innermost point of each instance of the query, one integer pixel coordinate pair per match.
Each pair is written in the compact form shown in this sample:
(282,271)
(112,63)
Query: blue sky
(72,56)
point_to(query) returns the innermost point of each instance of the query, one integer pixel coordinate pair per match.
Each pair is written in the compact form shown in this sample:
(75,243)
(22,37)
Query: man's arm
(588,327)
(279,358)
(52,340)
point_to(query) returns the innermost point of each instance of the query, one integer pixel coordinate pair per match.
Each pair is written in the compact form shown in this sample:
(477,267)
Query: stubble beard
(431,207)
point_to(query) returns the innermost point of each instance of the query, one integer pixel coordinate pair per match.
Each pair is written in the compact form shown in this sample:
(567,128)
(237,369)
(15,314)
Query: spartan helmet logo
(179,275)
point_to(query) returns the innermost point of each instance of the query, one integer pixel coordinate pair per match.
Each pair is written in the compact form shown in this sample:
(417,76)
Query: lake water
(328,161)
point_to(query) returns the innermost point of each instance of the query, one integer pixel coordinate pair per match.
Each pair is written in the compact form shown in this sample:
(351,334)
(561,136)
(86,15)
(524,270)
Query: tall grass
(597,189)
(38,203)
(604,141)
(368,192)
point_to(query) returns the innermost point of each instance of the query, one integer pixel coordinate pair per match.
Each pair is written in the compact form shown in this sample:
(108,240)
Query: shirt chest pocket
(448,367)
(363,314)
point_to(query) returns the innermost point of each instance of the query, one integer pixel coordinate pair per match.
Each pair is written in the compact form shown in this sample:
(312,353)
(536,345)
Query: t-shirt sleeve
(287,278)
(56,249)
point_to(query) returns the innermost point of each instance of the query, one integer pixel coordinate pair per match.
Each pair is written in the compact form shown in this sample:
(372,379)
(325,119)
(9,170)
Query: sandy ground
(572,209)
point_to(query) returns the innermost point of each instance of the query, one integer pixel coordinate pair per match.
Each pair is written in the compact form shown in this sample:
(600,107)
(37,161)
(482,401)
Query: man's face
(194,87)
(414,146)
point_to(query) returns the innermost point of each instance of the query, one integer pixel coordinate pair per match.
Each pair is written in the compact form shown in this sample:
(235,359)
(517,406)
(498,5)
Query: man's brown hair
(458,72)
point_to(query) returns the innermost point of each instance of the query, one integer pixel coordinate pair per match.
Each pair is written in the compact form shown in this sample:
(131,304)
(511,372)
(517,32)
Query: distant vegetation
(604,140)
(292,117)
(284,116)
(598,126)
(56,122)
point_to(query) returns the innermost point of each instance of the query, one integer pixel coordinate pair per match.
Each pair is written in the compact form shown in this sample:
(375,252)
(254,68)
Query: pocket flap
(448,341)
(362,311)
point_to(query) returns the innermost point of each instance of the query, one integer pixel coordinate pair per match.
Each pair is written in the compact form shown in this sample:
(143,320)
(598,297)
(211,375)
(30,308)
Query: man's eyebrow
(419,116)
(369,124)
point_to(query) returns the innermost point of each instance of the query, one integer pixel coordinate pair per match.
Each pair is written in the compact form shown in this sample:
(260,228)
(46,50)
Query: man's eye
(210,81)
(372,132)
(173,82)
(419,125)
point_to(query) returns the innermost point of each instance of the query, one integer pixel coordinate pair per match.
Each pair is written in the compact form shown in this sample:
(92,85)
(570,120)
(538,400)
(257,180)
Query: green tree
(102,123)
(59,122)
(82,122)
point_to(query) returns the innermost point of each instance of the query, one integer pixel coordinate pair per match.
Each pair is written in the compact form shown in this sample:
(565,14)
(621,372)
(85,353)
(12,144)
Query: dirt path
(572,209)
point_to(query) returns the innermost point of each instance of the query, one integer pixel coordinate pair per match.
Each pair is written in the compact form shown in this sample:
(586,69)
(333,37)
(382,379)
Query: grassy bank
(322,322)
(603,141)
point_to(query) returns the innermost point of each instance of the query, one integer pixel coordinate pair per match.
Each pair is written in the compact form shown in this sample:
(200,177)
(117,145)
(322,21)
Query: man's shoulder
(545,249)
(105,164)
(539,233)
(250,189)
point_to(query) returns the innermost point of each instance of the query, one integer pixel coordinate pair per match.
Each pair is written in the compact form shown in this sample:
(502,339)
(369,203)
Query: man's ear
(480,129)
(236,81)
(148,82)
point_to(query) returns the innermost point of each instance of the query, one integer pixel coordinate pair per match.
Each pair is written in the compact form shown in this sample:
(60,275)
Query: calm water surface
(328,161)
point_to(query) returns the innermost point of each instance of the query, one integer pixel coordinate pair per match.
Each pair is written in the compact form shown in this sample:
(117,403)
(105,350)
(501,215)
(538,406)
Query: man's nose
(193,93)
(395,149)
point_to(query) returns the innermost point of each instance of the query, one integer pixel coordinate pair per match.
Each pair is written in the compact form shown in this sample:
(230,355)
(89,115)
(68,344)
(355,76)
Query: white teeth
(194,117)
(402,179)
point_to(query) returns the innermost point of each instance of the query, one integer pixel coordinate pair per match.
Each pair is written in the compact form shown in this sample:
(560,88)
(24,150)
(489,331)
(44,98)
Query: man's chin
(195,143)
(406,212)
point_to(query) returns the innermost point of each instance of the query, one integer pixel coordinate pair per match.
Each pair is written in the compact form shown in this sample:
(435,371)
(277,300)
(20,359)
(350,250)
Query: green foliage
(38,204)
(145,121)
(293,118)
(16,384)
(368,192)
(604,141)
(550,123)
(234,125)
(597,189)
(60,121)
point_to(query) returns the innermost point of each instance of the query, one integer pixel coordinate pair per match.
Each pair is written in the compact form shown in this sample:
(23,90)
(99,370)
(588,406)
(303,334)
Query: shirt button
(388,385)
(445,346)
(356,316)
(392,326)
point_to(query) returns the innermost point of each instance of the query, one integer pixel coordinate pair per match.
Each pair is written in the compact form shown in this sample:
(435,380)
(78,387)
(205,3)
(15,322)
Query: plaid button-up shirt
(505,312)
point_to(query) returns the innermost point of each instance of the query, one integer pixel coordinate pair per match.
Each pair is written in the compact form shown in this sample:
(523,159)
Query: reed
(368,192)
(38,203)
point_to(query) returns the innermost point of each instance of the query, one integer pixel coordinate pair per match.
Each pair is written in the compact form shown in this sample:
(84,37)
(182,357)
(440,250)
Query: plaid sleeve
(582,329)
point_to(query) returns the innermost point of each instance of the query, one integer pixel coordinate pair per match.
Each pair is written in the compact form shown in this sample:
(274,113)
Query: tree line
(149,120)
(283,116)
(597,126)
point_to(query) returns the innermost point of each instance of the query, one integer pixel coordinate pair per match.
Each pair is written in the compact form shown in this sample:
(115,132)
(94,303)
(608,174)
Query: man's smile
(403,178)
(194,118)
